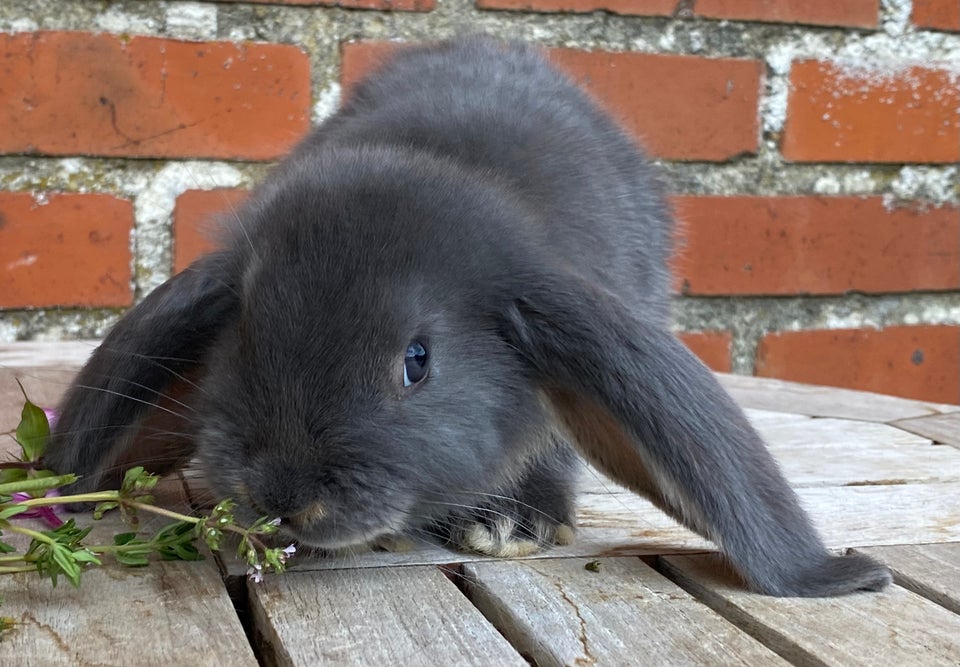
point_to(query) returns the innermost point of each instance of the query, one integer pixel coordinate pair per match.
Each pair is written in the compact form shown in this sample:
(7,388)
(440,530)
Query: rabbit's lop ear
(130,382)
(646,412)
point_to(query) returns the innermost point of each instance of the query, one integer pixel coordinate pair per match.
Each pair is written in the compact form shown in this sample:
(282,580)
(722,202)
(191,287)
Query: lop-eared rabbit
(448,289)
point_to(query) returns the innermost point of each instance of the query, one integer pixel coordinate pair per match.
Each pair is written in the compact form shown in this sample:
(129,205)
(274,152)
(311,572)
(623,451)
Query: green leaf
(37,484)
(131,477)
(138,481)
(12,510)
(123,538)
(131,559)
(175,529)
(12,475)
(103,508)
(180,552)
(86,556)
(6,548)
(33,430)
(64,558)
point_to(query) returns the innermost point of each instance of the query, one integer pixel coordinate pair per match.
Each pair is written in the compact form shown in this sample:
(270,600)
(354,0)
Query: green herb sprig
(29,491)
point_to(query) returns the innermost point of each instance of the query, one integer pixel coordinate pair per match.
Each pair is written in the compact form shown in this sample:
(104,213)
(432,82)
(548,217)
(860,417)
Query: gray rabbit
(451,279)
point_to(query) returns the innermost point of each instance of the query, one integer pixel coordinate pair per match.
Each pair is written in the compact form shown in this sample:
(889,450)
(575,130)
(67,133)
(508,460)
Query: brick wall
(811,148)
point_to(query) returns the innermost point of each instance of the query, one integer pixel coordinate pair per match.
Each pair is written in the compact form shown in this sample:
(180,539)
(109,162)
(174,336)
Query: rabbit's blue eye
(414,364)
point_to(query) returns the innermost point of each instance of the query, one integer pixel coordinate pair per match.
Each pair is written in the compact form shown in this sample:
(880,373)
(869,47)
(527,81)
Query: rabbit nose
(286,497)
(314,512)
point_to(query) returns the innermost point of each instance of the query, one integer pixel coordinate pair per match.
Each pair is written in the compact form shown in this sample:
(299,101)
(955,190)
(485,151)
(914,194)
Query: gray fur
(469,196)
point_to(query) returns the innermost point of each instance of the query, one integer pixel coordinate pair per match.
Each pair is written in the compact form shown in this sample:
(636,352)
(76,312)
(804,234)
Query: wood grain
(939,428)
(618,523)
(930,570)
(816,401)
(895,627)
(840,452)
(169,613)
(559,613)
(393,616)
(852,515)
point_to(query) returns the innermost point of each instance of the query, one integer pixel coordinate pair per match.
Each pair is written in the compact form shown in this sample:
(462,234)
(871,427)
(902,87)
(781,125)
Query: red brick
(838,114)
(68,93)
(936,14)
(856,13)
(382,5)
(814,245)
(66,250)
(357,59)
(194,220)
(681,107)
(920,362)
(634,7)
(713,348)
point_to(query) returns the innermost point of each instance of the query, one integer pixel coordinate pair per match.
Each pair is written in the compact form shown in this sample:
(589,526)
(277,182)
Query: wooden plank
(44,386)
(896,627)
(170,613)
(930,570)
(939,428)
(619,523)
(837,452)
(846,433)
(558,613)
(44,368)
(63,355)
(392,616)
(845,516)
(792,397)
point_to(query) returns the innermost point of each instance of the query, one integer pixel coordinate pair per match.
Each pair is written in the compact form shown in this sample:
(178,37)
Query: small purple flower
(287,552)
(255,573)
(46,514)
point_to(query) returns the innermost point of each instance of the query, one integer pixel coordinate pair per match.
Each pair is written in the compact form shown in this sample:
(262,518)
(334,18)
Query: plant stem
(99,497)
(13,570)
(21,465)
(12,559)
(113,548)
(160,510)
(107,496)
(40,537)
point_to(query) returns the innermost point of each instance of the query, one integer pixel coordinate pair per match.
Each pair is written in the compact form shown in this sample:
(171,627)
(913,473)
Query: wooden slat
(896,627)
(62,355)
(828,431)
(44,386)
(618,523)
(930,570)
(170,613)
(393,616)
(559,613)
(45,369)
(781,396)
(846,515)
(939,428)
(836,452)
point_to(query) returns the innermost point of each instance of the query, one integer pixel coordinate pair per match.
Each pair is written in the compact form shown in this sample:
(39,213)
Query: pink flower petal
(52,416)
(46,514)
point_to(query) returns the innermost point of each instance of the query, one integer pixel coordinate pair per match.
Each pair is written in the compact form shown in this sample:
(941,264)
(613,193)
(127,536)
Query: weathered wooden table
(878,474)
